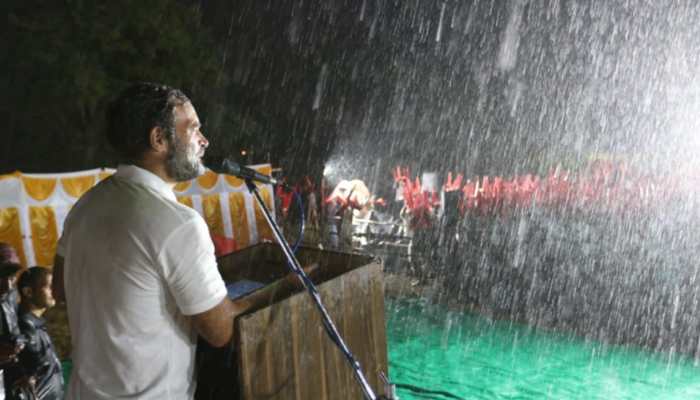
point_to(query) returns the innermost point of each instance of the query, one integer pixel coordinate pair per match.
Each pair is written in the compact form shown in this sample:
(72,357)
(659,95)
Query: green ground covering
(443,354)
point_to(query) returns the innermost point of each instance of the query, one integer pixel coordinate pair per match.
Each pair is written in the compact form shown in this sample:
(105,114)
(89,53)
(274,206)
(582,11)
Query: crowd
(423,205)
(29,366)
(604,186)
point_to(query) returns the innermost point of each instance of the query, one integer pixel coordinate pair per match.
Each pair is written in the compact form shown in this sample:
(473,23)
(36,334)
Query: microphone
(233,168)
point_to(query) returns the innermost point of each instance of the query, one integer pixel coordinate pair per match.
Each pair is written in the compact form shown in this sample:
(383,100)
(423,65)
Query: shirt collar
(38,322)
(146,178)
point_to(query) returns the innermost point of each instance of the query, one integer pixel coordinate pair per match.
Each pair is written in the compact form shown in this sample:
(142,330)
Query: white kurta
(137,264)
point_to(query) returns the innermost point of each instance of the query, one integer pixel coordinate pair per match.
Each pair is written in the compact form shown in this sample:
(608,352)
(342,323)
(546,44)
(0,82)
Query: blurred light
(328,170)
(244,152)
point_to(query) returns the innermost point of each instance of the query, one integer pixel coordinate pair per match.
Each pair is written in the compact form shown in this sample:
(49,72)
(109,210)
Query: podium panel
(281,350)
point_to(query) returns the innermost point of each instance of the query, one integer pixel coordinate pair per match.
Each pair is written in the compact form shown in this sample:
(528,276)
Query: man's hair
(32,278)
(136,111)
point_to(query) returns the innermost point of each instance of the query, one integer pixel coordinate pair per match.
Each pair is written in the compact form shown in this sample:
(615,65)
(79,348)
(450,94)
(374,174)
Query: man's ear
(27,292)
(158,140)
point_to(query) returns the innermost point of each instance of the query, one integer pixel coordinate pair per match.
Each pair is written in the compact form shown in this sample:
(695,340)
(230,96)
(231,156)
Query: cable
(418,389)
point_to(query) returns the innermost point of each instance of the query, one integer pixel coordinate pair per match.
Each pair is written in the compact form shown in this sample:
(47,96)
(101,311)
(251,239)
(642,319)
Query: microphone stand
(295,267)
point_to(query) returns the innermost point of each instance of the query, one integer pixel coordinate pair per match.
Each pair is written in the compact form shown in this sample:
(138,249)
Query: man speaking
(138,268)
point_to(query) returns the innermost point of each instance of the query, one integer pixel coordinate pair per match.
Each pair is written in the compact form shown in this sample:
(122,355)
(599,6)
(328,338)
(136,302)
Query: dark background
(479,87)
(252,70)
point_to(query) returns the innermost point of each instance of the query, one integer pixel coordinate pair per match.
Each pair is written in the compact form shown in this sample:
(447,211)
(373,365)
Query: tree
(66,59)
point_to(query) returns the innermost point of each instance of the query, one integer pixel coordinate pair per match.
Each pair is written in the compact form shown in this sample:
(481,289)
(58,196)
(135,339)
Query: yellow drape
(75,187)
(233,181)
(39,189)
(208,180)
(264,231)
(211,208)
(7,176)
(44,234)
(186,200)
(239,219)
(265,170)
(10,231)
(182,186)
(43,224)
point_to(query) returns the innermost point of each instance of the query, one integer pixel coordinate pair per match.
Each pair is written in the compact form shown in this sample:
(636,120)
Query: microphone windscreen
(222,165)
(230,167)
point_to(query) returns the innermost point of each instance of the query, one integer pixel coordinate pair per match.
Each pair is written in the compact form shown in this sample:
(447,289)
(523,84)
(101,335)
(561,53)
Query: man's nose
(203,140)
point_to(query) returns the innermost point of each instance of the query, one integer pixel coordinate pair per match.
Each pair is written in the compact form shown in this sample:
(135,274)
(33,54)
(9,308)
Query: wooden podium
(280,350)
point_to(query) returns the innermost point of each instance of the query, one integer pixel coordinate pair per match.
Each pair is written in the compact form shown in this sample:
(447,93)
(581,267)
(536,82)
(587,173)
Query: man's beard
(182,163)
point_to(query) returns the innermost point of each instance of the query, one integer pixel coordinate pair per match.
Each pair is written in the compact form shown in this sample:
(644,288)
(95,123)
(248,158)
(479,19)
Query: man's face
(187,145)
(8,254)
(14,258)
(42,296)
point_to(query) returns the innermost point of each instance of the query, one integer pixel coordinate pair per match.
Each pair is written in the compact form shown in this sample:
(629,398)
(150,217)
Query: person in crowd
(11,340)
(8,253)
(137,268)
(334,221)
(38,370)
(311,204)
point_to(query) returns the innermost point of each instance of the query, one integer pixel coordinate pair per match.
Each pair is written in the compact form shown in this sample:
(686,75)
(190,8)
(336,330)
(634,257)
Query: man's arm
(57,286)
(216,324)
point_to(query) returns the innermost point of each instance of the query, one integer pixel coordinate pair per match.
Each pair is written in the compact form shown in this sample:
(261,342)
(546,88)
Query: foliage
(65,60)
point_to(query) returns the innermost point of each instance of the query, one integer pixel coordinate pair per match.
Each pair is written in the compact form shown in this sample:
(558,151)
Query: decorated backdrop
(33,207)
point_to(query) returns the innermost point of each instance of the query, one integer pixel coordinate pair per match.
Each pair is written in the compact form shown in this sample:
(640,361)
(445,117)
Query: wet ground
(438,353)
